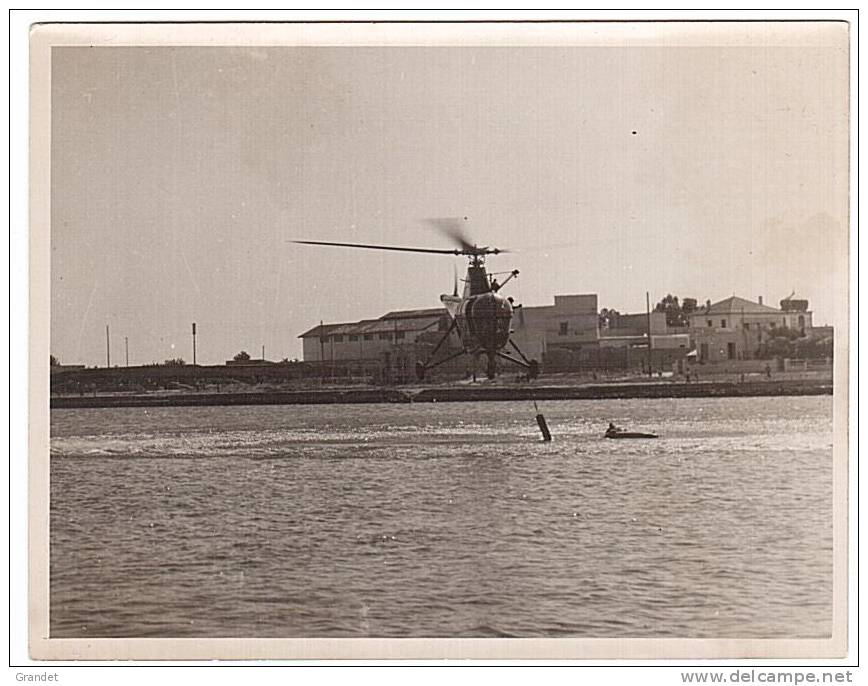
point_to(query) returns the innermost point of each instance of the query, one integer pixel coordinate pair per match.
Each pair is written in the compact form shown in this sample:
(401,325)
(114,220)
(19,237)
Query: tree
(688,306)
(175,362)
(676,314)
(783,343)
(609,318)
(53,361)
(243,356)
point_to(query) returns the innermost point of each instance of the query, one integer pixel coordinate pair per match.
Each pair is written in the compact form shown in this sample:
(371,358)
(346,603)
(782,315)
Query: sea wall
(453,394)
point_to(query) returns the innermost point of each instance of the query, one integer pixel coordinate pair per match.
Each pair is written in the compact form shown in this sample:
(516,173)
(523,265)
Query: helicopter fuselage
(483,320)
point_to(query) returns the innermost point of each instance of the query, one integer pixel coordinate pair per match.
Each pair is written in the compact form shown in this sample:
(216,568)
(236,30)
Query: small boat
(629,434)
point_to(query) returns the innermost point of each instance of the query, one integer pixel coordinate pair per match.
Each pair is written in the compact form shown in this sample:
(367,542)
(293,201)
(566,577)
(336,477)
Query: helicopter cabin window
(353,338)
(399,334)
(338,338)
(563,329)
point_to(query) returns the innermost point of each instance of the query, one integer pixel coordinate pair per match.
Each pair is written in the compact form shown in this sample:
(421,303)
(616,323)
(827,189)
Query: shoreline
(454,394)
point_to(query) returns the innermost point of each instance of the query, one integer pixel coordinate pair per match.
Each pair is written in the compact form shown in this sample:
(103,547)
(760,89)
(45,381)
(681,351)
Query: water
(449,519)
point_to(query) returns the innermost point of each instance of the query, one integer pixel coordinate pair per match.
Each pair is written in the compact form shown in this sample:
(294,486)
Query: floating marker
(543,427)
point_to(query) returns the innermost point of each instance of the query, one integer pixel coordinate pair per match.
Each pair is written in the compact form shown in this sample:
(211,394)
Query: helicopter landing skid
(532,366)
(422,367)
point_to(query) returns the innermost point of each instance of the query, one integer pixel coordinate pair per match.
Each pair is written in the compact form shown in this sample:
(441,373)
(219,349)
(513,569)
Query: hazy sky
(179,175)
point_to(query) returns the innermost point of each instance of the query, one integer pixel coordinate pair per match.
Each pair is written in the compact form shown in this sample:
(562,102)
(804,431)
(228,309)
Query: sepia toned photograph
(511,332)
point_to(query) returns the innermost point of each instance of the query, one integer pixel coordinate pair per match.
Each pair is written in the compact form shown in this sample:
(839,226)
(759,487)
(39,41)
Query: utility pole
(108,358)
(127,350)
(263,353)
(321,352)
(648,312)
(194,343)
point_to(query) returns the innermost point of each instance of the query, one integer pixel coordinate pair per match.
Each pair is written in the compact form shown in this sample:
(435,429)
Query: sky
(181,174)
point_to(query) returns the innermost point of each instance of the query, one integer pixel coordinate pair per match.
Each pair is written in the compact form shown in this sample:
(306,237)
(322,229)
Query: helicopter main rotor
(471,251)
(449,226)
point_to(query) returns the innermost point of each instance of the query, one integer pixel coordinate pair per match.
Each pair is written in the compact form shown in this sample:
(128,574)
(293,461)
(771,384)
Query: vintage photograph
(445,332)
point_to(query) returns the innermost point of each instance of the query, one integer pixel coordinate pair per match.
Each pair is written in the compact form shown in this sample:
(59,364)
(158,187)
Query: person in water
(612,429)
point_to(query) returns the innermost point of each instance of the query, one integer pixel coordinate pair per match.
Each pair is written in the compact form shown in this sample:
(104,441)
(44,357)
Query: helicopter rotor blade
(452,251)
(470,250)
(453,228)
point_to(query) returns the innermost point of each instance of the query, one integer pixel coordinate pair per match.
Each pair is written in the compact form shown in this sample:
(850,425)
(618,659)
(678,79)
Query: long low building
(369,339)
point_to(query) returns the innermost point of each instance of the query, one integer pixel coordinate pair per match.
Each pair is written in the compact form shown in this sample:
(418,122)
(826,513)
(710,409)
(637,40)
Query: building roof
(410,320)
(413,314)
(735,305)
(321,330)
(391,325)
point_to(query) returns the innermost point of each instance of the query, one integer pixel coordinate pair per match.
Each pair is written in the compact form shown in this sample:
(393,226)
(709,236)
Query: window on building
(399,334)
(385,337)
(338,338)
(369,336)
(563,329)
(772,325)
(747,325)
(801,321)
(353,338)
(709,323)
(722,323)
(730,351)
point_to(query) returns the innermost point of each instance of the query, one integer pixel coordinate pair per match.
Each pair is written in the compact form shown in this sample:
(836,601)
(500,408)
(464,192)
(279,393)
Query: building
(564,336)
(369,339)
(734,328)
(572,322)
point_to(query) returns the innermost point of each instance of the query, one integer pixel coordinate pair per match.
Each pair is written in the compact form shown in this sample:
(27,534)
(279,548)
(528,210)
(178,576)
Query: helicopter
(481,316)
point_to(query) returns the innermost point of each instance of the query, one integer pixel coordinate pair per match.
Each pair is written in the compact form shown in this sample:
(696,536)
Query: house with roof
(734,328)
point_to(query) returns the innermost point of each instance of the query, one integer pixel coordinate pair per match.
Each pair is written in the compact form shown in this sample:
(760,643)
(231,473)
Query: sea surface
(444,520)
